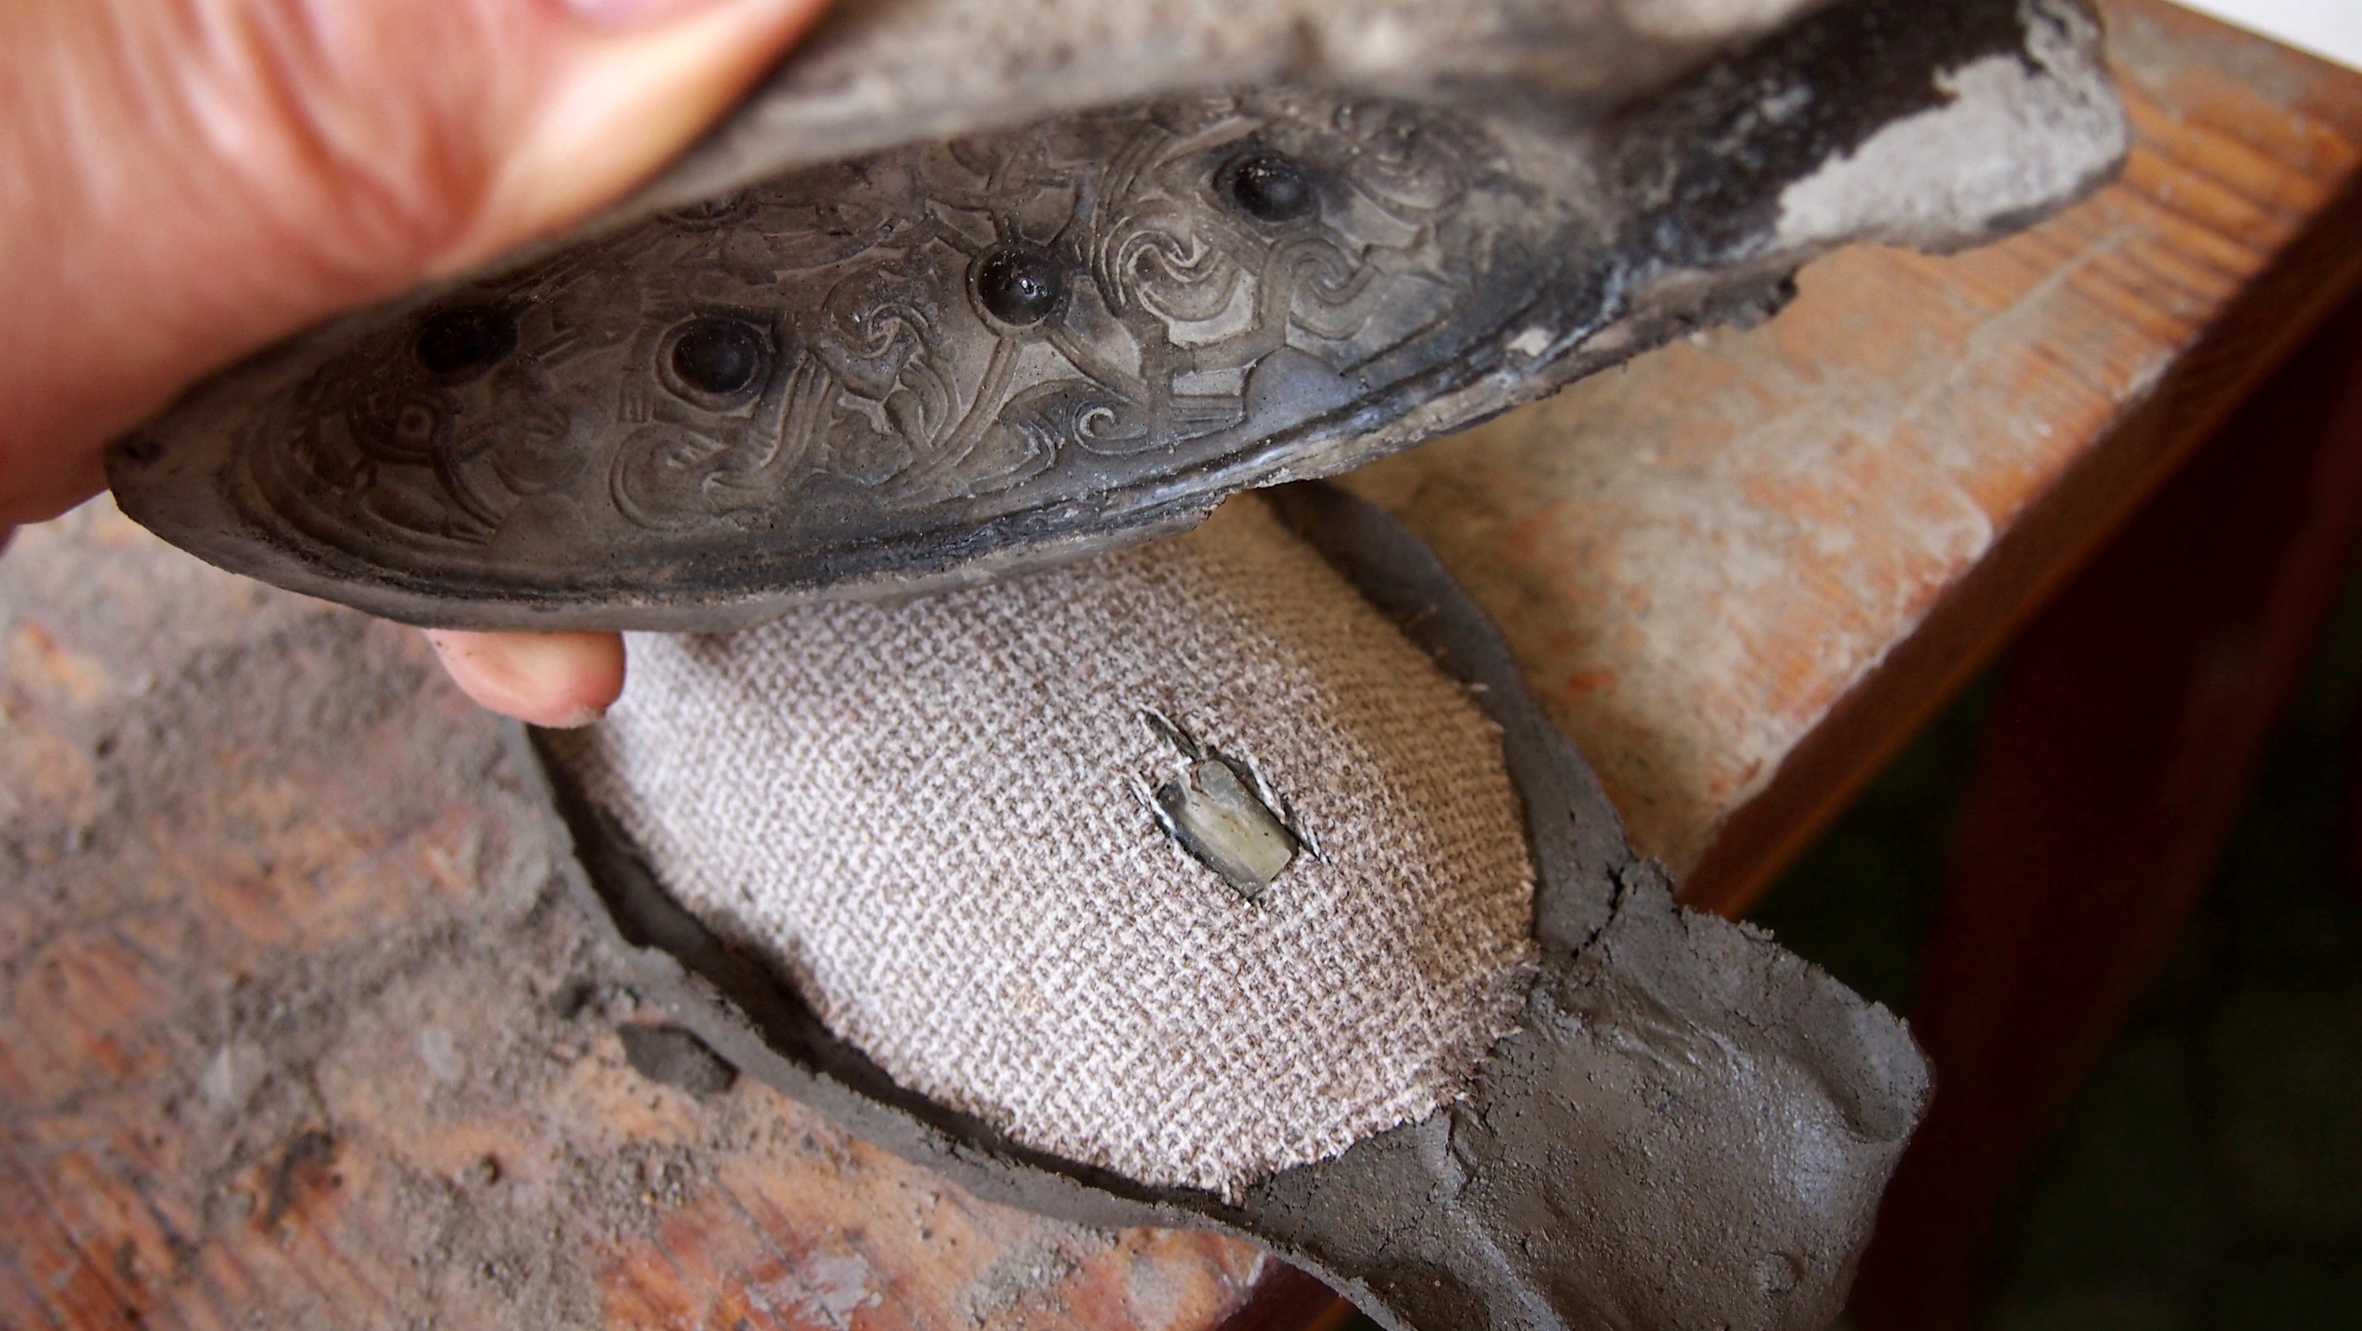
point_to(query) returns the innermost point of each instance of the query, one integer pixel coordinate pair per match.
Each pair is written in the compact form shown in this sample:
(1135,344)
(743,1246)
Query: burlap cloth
(929,817)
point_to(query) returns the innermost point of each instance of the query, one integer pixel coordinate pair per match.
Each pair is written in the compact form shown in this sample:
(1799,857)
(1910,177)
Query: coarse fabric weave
(933,819)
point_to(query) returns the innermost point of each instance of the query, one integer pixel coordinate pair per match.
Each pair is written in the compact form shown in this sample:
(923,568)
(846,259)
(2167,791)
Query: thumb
(197,178)
(631,83)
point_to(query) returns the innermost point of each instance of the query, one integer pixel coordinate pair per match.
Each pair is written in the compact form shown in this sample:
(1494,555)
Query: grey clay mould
(1691,1128)
(769,379)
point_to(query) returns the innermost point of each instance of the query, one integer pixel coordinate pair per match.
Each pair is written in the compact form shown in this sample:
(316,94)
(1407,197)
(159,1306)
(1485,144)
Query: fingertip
(643,80)
(557,680)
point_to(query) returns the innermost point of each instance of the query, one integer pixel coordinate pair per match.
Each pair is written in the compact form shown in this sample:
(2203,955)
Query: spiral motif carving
(918,341)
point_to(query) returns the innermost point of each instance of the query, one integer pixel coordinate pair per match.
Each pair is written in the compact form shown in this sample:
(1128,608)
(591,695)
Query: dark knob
(1019,284)
(1270,187)
(717,356)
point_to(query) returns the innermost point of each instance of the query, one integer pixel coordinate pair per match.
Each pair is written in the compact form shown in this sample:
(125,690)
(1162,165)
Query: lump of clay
(939,361)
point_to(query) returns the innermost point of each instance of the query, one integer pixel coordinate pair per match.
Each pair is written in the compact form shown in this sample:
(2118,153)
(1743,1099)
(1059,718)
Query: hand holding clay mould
(187,183)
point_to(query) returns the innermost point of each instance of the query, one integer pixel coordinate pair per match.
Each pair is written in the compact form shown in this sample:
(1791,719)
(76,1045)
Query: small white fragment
(839,1284)
(235,1072)
(1532,342)
(1217,819)
(441,1054)
(1220,813)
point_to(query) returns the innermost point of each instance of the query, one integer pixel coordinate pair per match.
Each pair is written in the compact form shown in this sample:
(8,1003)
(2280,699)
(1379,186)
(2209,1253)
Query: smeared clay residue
(2014,136)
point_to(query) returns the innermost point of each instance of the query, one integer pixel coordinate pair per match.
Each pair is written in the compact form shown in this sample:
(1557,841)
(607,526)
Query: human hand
(185,181)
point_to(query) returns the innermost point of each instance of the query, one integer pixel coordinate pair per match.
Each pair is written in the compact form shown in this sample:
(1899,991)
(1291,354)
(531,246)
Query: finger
(205,176)
(40,492)
(624,103)
(561,680)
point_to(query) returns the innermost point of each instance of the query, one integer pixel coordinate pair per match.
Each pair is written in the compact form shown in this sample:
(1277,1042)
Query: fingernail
(576,719)
(560,680)
(620,14)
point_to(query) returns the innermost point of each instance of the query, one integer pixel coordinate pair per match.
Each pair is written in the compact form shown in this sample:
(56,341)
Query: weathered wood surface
(297,1029)
(2125,731)
(1704,558)
(294,1032)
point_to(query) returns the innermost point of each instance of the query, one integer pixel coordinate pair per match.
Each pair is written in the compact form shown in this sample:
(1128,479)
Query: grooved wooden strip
(1699,558)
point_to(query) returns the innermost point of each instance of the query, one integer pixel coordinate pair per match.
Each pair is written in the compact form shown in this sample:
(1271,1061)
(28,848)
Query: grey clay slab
(944,361)
(1692,1128)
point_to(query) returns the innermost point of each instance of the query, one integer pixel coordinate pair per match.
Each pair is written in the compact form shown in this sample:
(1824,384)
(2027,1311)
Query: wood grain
(1704,559)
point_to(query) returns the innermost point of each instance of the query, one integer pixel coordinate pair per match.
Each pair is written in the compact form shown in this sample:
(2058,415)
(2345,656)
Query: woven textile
(932,817)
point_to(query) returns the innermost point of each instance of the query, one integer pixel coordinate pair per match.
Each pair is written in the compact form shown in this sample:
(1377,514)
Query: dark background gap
(2210,1173)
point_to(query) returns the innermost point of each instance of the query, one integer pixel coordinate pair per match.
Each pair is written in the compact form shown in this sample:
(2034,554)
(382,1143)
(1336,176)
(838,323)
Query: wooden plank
(1704,559)
(295,1028)
(2130,717)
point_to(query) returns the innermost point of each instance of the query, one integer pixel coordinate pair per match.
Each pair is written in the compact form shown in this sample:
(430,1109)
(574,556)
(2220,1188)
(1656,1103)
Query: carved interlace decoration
(973,328)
